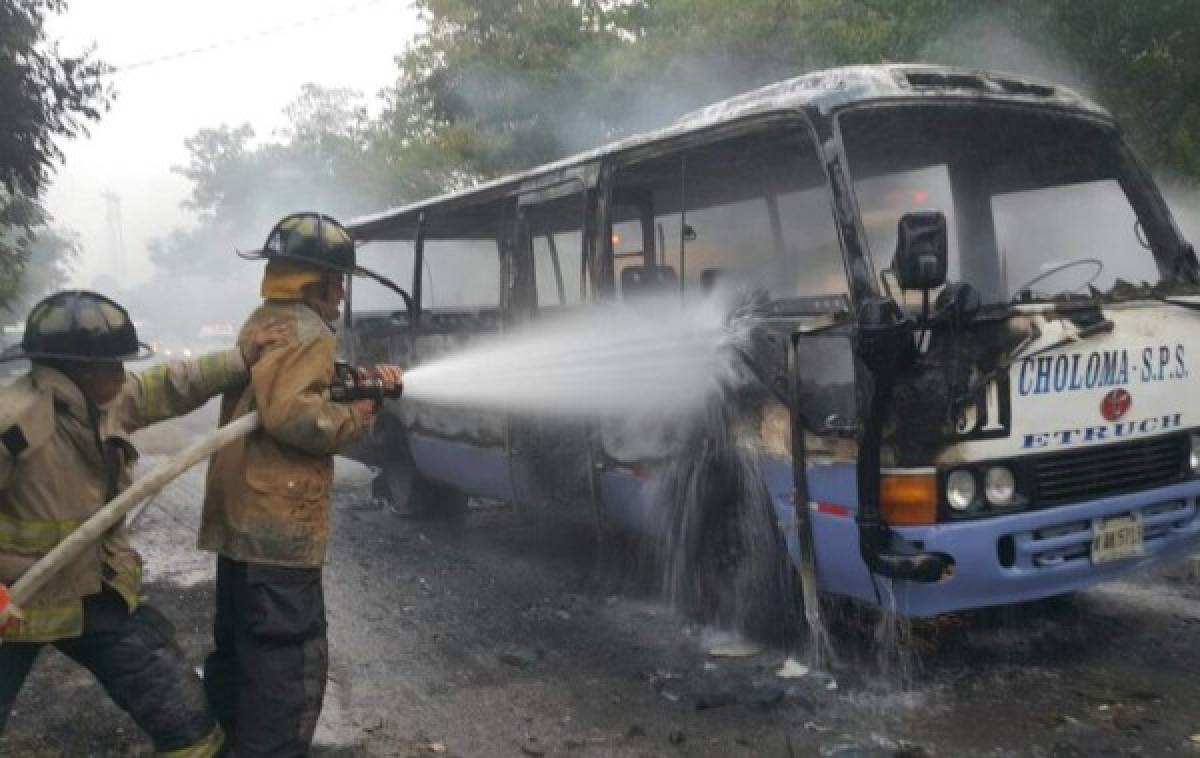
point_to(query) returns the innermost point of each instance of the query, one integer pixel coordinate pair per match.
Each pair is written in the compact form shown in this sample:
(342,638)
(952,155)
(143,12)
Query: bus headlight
(960,489)
(1000,486)
(1194,458)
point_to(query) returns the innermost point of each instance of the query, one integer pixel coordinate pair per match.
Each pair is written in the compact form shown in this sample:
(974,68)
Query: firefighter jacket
(267,495)
(62,459)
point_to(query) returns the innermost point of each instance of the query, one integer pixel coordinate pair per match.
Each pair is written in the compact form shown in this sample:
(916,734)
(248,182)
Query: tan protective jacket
(61,461)
(267,495)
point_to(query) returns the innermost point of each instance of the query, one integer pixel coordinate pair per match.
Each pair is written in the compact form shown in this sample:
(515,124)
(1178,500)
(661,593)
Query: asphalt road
(503,639)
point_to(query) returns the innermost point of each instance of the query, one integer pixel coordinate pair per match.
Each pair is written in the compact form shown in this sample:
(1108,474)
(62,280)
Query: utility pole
(116,234)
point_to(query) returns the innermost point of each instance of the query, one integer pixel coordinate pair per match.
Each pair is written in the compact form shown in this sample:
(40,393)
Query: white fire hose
(104,519)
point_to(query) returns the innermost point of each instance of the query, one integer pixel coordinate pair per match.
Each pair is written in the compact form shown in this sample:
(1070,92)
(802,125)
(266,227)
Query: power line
(257,35)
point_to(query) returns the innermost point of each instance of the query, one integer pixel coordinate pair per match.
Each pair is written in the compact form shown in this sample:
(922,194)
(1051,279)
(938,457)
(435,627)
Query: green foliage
(45,97)
(499,85)
(19,217)
(1139,59)
(53,254)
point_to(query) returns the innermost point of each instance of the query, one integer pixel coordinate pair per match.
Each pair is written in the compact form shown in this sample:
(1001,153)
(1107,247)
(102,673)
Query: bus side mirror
(921,244)
(827,395)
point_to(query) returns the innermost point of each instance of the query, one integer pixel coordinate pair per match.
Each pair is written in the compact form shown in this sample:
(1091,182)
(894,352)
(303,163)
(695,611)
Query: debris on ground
(456,666)
(733,646)
(520,657)
(792,669)
(715,700)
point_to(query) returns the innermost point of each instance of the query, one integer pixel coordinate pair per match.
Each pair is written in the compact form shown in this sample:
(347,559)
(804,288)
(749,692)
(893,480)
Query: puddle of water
(895,657)
(1157,598)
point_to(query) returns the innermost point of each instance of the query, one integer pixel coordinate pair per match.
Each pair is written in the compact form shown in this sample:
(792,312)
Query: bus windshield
(1038,204)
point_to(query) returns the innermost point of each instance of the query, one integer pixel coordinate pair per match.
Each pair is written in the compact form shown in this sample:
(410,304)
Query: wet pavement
(503,639)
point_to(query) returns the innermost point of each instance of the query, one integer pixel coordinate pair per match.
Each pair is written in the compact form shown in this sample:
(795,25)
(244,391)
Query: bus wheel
(431,501)
(409,495)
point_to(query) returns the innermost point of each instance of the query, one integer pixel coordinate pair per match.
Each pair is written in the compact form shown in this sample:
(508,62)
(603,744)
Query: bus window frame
(605,275)
(523,239)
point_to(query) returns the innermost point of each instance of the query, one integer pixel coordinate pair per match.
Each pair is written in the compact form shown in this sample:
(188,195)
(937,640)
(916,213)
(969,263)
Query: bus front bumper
(1039,553)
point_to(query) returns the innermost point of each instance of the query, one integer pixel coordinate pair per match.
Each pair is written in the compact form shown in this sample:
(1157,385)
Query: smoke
(600,97)
(241,187)
(990,41)
(653,359)
(651,100)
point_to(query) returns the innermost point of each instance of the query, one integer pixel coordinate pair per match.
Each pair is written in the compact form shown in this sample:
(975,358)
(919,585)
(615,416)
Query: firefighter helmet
(311,238)
(77,325)
(320,241)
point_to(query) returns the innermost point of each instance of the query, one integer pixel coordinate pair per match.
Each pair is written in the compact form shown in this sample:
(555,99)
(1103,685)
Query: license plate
(1117,538)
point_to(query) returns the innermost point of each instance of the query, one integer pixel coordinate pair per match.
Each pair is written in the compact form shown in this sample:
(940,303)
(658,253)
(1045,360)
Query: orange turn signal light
(908,499)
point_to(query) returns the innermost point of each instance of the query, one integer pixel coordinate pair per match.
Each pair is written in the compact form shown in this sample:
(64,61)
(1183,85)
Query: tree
(45,96)
(498,85)
(240,188)
(53,254)
(1139,59)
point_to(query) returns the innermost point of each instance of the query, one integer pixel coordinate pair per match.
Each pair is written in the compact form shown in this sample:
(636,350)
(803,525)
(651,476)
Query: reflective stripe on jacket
(61,461)
(267,496)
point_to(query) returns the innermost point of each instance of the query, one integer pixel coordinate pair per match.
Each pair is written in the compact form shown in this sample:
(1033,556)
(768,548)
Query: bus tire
(433,501)
(409,495)
(402,488)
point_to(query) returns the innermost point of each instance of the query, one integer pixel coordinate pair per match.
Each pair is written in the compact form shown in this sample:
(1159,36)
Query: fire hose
(346,388)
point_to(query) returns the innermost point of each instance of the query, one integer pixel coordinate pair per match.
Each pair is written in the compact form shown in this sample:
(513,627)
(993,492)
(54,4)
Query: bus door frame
(530,439)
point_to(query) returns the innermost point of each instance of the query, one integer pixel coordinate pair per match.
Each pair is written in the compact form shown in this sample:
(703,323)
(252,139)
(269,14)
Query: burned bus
(978,324)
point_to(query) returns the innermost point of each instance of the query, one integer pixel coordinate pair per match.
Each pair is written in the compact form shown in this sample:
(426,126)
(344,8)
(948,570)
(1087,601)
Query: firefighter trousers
(136,660)
(266,677)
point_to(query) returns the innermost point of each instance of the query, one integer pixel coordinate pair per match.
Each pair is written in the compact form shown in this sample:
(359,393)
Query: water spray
(658,359)
(652,363)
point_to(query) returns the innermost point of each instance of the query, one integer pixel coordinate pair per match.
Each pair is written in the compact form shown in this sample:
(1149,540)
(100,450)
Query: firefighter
(266,504)
(65,450)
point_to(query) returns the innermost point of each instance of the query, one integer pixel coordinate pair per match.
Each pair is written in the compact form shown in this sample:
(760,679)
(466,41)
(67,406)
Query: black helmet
(312,238)
(77,325)
(320,241)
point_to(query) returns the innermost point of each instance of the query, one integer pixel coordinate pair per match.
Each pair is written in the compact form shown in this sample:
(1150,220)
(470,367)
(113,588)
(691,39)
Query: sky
(264,51)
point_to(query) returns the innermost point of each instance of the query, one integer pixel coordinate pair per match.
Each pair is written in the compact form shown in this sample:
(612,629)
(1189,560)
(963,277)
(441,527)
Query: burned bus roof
(825,91)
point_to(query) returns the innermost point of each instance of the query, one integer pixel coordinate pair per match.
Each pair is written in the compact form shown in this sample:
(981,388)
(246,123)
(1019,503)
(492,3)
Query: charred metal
(891,226)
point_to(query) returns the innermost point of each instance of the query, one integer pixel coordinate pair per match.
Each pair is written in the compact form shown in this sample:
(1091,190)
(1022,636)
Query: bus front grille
(1109,470)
